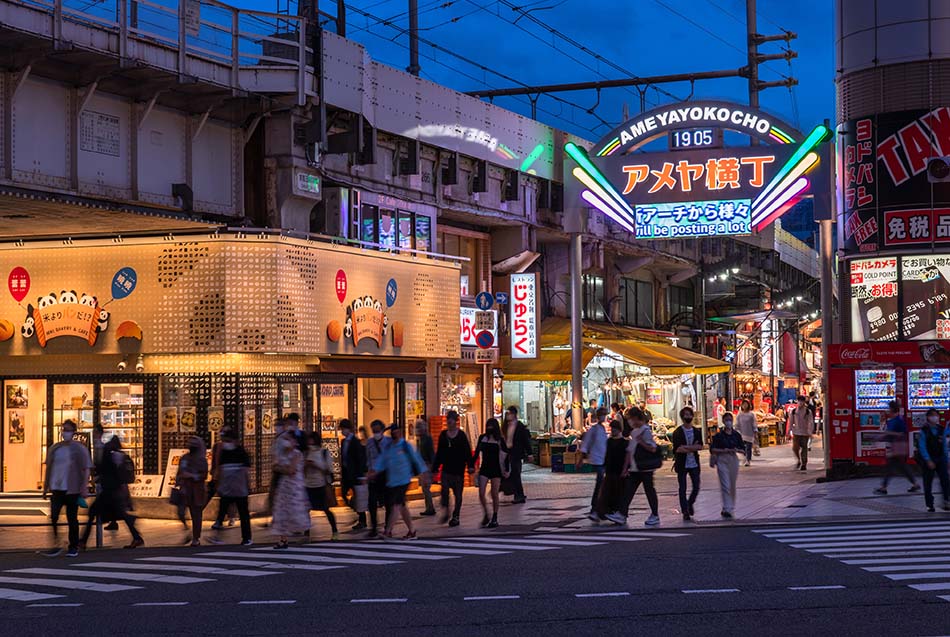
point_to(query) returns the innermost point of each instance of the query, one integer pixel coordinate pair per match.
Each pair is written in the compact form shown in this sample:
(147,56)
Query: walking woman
(747,428)
(291,510)
(723,449)
(114,471)
(932,451)
(318,477)
(491,453)
(191,477)
(641,435)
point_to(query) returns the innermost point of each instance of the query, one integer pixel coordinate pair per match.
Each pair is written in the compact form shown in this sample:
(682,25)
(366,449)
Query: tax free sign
(701,189)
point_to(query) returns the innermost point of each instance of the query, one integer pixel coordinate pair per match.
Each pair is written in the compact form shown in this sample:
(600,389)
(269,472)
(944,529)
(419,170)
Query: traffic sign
(484,321)
(484,339)
(501,298)
(484,301)
(486,356)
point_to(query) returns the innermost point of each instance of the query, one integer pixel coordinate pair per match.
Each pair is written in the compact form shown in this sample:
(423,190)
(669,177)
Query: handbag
(648,460)
(361,498)
(175,496)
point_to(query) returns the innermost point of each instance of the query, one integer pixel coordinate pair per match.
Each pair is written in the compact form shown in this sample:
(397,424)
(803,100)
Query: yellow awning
(552,364)
(645,355)
(701,364)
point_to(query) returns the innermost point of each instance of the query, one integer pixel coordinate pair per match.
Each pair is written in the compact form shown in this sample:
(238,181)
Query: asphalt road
(709,581)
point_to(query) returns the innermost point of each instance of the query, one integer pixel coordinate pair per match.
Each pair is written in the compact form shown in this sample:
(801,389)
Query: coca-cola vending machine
(865,377)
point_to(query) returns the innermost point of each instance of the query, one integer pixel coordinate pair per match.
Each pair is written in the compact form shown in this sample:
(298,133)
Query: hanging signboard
(524,315)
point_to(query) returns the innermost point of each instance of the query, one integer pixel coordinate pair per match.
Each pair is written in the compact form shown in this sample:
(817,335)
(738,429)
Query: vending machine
(865,377)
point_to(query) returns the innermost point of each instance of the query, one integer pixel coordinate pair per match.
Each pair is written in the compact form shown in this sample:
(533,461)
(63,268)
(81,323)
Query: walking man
(232,477)
(932,450)
(376,446)
(353,468)
(723,449)
(895,435)
(594,448)
(803,422)
(687,442)
(518,440)
(67,478)
(426,450)
(399,462)
(452,457)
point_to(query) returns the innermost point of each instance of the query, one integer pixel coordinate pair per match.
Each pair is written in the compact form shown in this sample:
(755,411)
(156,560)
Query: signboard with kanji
(524,315)
(874,304)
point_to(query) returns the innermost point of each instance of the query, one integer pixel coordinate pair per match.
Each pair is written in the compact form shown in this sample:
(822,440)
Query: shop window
(681,301)
(392,229)
(593,294)
(121,412)
(636,302)
(332,401)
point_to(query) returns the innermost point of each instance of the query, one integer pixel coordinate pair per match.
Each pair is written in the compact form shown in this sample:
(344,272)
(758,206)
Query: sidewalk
(771,491)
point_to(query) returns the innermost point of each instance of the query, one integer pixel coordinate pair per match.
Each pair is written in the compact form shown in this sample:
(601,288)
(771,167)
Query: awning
(552,364)
(666,360)
(556,331)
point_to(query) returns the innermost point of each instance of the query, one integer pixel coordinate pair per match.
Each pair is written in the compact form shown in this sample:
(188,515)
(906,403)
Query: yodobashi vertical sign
(524,315)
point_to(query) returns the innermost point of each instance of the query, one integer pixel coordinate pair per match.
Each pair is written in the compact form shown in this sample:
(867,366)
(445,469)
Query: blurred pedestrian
(399,463)
(233,480)
(491,452)
(641,436)
(611,497)
(213,483)
(190,480)
(518,441)
(932,454)
(803,422)
(594,448)
(353,469)
(453,456)
(279,428)
(895,437)
(67,479)
(426,448)
(116,472)
(291,514)
(748,429)
(687,443)
(318,477)
(376,447)
(722,450)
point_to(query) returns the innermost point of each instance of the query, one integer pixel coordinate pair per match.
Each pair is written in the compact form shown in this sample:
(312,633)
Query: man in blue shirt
(932,455)
(895,434)
(401,463)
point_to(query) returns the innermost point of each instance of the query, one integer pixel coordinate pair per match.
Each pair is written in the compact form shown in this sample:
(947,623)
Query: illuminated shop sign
(524,316)
(693,219)
(706,189)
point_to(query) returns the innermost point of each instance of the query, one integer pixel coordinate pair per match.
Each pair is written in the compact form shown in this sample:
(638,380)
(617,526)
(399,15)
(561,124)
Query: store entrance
(24,435)
(391,400)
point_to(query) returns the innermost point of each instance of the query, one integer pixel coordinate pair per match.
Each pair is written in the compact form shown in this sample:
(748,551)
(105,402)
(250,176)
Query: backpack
(126,469)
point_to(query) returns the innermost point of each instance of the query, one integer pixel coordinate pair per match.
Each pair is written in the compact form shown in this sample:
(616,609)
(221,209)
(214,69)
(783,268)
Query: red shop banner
(889,353)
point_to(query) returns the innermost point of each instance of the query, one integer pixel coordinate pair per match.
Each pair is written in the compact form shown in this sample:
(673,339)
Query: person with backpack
(933,459)
(233,480)
(453,456)
(640,448)
(399,463)
(895,436)
(376,446)
(115,472)
(67,478)
(492,454)
(318,478)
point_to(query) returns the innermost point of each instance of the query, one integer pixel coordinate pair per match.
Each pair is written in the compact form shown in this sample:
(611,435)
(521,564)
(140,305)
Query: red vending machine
(865,377)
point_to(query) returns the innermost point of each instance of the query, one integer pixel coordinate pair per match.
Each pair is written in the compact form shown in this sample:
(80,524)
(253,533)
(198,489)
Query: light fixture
(735,269)
(712,279)
(140,364)
(123,364)
(799,297)
(723,276)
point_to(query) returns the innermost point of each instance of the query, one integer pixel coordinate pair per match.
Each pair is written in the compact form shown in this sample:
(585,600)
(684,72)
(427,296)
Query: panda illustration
(48,300)
(103,320)
(68,297)
(89,300)
(28,329)
(357,304)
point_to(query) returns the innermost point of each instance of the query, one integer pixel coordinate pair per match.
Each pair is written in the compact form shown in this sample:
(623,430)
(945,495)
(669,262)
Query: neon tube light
(532,157)
(599,191)
(803,167)
(760,218)
(813,139)
(580,157)
(593,200)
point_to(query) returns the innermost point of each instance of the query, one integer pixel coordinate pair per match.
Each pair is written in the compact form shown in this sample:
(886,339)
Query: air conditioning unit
(938,170)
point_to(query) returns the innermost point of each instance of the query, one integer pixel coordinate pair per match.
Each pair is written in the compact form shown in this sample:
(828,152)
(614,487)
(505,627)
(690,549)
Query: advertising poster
(188,421)
(171,469)
(874,301)
(146,486)
(250,421)
(18,396)
(17,435)
(215,419)
(267,422)
(925,284)
(169,420)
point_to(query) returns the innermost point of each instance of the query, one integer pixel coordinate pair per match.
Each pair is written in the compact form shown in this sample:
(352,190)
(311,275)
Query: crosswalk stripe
(24,596)
(161,604)
(179,568)
(140,577)
(367,553)
(891,568)
(647,533)
(599,538)
(896,560)
(815,539)
(851,528)
(459,549)
(858,544)
(305,558)
(72,584)
(494,543)
(858,549)
(884,554)
(532,541)
(72,605)
(235,562)
(942,586)
(912,576)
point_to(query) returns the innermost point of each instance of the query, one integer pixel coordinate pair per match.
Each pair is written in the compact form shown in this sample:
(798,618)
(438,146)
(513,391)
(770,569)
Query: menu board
(874,303)
(874,388)
(928,388)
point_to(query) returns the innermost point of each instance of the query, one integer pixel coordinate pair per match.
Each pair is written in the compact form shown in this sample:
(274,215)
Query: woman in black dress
(491,453)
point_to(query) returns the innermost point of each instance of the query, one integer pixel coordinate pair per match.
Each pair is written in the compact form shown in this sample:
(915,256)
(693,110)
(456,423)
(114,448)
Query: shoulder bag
(647,460)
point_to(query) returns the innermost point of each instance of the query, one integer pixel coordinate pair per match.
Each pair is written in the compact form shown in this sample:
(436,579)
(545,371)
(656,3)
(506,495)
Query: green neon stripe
(814,138)
(585,164)
(532,157)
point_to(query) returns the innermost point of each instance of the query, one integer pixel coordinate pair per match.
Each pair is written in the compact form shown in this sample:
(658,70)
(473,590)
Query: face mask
(933,420)
(68,435)
(378,436)
(727,423)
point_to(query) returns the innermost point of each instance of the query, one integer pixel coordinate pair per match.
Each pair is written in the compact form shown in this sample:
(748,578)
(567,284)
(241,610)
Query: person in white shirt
(594,448)
(747,428)
(67,478)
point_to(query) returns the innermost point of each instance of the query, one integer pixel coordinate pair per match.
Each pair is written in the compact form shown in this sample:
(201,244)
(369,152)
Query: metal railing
(197,29)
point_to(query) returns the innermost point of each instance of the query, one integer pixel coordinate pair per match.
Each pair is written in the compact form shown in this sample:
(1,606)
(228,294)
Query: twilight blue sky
(645,37)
